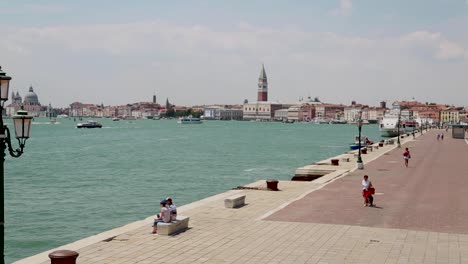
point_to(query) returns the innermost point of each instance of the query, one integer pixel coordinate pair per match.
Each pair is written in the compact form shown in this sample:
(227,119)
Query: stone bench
(167,229)
(234,201)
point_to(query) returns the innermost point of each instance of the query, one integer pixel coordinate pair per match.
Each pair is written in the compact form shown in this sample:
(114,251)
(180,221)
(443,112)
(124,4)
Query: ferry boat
(389,126)
(189,120)
(89,124)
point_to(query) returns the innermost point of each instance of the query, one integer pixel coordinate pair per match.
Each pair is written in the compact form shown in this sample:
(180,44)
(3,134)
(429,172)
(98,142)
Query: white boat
(62,116)
(115,119)
(389,126)
(89,124)
(189,120)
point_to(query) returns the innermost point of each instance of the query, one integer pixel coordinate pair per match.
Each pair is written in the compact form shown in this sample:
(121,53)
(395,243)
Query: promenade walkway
(421,218)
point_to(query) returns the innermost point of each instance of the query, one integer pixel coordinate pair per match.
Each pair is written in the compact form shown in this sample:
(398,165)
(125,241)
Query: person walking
(406,156)
(367,191)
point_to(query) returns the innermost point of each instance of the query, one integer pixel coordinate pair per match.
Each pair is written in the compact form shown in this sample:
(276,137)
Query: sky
(211,52)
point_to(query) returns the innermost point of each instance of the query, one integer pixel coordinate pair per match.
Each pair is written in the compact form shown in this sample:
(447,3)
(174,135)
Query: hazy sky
(206,52)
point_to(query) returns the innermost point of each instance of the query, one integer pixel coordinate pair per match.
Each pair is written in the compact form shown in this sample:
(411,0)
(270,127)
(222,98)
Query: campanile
(262,86)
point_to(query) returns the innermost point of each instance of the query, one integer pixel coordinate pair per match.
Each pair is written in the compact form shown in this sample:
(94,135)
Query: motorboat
(364,142)
(89,124)
(338,121)
(115,119)
(189,120)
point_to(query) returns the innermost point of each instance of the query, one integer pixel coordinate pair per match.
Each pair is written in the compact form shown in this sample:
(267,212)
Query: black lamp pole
(22,125)
(359,159)
(399,120)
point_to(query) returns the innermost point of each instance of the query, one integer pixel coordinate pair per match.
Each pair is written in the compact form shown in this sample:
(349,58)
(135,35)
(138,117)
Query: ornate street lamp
(22,125)
(360,165)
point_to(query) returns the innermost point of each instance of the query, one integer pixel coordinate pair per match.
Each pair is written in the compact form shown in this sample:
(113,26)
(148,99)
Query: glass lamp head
(22,122)
(4,85)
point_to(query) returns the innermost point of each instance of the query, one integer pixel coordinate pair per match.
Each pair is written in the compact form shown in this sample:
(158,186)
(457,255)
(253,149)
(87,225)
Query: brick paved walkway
(429,195)
(221,235)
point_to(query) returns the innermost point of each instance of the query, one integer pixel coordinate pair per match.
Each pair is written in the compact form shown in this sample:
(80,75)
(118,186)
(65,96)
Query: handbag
(372,190)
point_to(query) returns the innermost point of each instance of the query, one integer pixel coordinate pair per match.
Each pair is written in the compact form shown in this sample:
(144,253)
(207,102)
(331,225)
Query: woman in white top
(367,191)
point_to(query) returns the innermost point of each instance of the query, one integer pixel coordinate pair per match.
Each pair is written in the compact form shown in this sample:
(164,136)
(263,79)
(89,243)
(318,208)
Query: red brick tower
(262,86)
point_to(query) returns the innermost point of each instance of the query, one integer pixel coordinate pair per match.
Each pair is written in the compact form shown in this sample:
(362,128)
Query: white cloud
(197,64)
(344,9)
(434,43)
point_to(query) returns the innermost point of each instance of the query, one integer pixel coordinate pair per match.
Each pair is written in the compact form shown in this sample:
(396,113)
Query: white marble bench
(178,225)
(234,201)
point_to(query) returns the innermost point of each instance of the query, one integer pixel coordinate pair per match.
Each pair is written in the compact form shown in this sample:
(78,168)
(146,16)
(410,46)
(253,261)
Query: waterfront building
(222,113)
(450,115)
(212,112)
(301,112)
(375,114)
(350,114)
(281,115)
(262,94)
(260,111)
(328,111)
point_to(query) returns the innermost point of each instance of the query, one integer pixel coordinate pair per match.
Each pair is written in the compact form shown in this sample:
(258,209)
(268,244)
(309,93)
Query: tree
(170,112)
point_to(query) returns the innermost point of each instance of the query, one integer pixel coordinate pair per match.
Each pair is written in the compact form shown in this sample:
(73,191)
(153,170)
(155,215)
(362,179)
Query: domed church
(30,103)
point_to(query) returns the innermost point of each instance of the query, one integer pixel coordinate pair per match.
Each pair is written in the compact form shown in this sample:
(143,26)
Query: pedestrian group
(168,213)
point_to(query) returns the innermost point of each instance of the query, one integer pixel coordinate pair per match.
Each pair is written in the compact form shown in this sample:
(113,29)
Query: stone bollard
(63,257)
(272,185)
(335,162)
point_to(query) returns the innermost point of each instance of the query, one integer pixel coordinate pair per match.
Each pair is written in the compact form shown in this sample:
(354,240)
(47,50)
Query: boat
(389,126)
(62,116)
(410,126)
(89,124)
(338,121)
(364,142)
(189,120)
(115,119)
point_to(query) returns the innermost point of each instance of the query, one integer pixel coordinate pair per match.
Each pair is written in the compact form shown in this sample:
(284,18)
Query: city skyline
(211,53)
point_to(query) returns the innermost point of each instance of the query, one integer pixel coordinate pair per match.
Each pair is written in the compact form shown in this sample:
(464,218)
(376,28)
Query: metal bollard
(63,257)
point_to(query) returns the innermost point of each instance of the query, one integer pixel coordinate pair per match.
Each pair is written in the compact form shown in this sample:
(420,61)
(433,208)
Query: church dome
(31,98)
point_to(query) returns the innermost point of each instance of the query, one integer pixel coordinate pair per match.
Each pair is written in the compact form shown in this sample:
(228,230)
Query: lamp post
(22,125)
(398,127)
(360,165)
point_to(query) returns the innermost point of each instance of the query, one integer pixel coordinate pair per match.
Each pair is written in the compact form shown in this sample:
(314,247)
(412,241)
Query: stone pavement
(254,234)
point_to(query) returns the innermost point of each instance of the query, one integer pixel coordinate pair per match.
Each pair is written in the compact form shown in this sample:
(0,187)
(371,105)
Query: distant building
(30,103)
(329,111)
(281,115)
(260,111)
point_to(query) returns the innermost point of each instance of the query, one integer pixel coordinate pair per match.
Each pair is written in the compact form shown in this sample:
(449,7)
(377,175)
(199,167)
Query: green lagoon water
(73,183)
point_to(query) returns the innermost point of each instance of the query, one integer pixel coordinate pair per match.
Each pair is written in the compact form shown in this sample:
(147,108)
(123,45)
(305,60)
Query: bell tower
(262,95)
